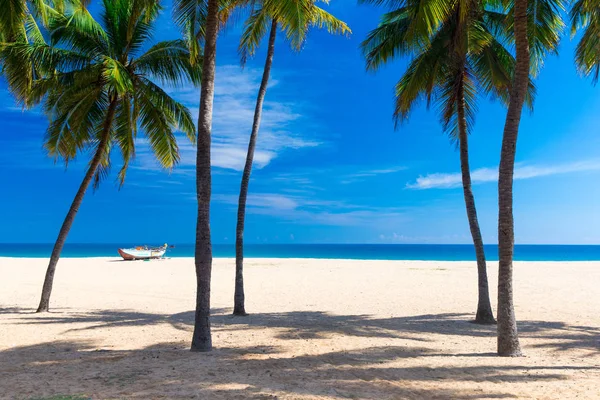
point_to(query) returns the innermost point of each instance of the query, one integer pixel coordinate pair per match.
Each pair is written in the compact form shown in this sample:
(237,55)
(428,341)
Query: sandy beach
(318,329)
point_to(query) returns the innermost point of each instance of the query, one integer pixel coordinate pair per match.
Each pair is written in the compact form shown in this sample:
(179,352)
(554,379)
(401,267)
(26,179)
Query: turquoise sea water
(437,252)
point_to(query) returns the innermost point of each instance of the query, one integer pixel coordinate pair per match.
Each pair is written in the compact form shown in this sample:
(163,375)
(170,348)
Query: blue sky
(329,167)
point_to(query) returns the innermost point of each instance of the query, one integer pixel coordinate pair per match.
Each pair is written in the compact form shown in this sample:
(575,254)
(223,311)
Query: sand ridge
(318,329)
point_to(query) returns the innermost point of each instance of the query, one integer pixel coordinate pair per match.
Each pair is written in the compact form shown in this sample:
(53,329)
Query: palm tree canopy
(545,26)
(294,17)
(190,17)
(458,49)
(585,15)
(90,65)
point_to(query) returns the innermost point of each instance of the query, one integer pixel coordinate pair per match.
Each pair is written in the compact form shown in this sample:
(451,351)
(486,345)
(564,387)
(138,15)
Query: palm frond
(13,14)
(255,28)
(585,16)
(116,77)
(169,61)
(322,19)
(405,29)
(457,87)
(422,78)
(124,135)
(544,28)
(74,122)
(389,40)
(177,115)
(79,32)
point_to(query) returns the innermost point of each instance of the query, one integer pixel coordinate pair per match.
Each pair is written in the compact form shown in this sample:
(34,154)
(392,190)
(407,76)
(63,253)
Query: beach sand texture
(318,329)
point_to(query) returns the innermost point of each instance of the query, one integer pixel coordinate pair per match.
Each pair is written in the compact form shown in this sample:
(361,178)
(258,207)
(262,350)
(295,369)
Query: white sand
(319,329)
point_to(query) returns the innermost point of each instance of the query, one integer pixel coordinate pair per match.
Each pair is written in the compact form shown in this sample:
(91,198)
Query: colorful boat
(143,252)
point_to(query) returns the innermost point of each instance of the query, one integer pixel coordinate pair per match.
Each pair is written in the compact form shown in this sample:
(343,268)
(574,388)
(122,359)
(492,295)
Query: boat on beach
(143,252)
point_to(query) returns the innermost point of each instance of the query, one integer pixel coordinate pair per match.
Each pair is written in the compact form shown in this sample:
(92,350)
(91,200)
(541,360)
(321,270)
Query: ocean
(434,252)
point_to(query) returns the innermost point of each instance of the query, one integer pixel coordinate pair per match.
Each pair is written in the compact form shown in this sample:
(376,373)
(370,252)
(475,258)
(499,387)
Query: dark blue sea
(435,252)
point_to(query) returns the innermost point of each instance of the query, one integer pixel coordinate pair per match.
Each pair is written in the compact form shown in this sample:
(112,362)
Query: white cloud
(307,210)
(361,175)
(235,98)
(482,175)
(231,157)
(263,200)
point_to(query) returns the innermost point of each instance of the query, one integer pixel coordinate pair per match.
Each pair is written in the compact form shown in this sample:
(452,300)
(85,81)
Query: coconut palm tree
(97,85)
(200,21)
(536,28)
(458,54)
(294,18)
(585,15)
(508,339)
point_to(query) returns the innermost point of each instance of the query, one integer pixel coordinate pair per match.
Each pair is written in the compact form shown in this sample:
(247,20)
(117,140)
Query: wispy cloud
(235,97)
(263,200)
(307,210)
(483,175)
(364,174)
(303,179)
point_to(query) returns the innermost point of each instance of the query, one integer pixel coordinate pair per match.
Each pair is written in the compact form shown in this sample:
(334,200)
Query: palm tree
(200,20)
(508,339)
(585,15)
(458,51)
(98,86)
(536,26)
(295,18)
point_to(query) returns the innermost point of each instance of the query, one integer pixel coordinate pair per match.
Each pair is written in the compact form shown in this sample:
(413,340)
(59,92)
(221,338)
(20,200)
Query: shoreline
(364,252)
(285,259)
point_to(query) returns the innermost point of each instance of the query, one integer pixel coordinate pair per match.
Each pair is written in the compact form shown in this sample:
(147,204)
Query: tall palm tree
(98,85)
(536,27)
(200,20)
(508,339)
(585,15)
(458,52)
(295,18)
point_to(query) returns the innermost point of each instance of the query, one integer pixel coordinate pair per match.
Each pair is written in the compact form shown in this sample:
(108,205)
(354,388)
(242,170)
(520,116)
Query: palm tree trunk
(484,314)
(508,340)
(239,298)
(68,222)
(201,339)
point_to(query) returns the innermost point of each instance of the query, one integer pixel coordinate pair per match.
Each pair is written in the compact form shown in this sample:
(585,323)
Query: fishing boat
(143,252)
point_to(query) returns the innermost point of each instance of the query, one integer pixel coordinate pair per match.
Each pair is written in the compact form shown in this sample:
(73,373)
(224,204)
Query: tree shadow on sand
(168,370)
(295,325)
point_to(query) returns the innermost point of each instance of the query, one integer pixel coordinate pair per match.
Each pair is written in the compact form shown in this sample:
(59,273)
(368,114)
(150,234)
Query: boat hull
(141,254)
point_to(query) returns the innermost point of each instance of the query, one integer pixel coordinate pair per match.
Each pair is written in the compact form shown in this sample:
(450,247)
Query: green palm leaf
(90,68)
(170,62)
(294,17)
(585,16)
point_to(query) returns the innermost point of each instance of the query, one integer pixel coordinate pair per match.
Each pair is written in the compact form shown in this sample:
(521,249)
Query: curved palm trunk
(484,314)
(238,297)
(68,222)
(508,340)
(201,339)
